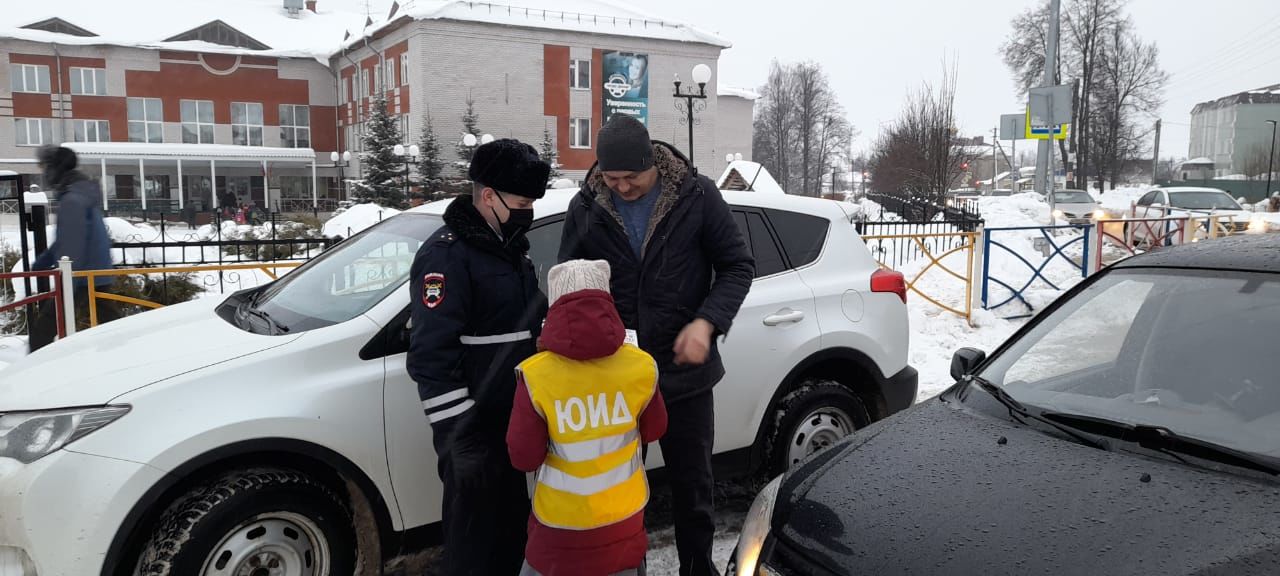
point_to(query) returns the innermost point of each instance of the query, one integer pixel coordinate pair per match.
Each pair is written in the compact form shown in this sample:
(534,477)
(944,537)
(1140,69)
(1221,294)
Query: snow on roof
(8,173)
(747,93)
(591,16)
(147,23)
(753,175)
(1196,161)
(174,151)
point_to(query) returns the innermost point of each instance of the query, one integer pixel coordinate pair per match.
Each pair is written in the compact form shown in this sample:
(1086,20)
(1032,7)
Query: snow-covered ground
(353,220)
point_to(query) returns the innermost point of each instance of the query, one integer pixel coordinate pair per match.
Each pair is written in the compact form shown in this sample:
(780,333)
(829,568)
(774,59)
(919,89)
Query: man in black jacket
(476,312)
(680,272)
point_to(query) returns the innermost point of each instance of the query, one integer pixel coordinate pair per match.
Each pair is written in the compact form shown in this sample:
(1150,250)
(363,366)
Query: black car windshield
(1192,352)
(1072,197)
(349,278)
(1207,200)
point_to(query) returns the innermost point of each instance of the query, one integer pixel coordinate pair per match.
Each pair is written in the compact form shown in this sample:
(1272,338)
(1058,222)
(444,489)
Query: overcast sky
(875,51)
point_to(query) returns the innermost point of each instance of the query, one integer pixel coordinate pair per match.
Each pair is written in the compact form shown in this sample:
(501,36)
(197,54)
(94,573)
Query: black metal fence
(908,229)
(963,212)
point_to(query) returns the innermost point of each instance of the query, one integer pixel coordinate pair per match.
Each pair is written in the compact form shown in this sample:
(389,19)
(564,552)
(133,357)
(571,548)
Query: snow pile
(12,349)
(356,219)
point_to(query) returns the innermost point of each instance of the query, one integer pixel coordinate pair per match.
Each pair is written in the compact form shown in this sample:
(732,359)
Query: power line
(1243,40)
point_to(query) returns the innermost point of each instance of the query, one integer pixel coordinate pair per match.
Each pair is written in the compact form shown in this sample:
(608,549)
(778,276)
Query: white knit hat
(577,275)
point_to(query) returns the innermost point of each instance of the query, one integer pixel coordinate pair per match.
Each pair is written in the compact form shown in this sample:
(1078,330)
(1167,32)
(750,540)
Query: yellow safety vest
(593,475)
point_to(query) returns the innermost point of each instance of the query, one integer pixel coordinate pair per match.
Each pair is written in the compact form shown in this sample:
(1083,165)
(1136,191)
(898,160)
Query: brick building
(251,97)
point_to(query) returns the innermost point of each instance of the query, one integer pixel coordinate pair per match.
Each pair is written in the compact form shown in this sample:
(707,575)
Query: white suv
(210,438)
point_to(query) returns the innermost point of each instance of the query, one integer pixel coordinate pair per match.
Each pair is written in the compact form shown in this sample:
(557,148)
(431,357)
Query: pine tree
(430,166)
(470,125)
(549,155)
(383,170)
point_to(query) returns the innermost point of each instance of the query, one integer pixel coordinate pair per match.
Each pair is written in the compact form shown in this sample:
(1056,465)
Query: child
(583,410)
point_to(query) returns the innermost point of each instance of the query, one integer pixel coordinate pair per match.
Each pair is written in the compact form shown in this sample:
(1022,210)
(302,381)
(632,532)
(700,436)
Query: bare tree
(918,156)
(1256,161)
(813,106)
(774,128)
(1130,86)
(1085,26)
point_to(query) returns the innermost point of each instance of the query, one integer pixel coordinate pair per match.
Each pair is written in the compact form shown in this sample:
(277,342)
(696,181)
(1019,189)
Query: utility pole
(1271,160)
(995,156)
(1044,159)
(1155,161)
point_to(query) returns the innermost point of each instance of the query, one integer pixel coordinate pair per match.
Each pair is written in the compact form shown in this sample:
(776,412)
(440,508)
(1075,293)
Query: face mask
(519,220)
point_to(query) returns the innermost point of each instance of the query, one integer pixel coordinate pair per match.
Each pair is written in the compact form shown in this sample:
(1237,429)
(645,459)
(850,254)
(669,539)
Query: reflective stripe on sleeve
(445,398)
(496,339)
(450,413)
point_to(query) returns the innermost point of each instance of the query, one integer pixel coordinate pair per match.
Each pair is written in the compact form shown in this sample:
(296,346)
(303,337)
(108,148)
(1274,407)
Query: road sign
(1013,126)
(1033,132)
(1050,105)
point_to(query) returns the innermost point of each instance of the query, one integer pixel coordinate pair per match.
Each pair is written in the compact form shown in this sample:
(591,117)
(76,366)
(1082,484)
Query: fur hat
(511,166)
(575,276)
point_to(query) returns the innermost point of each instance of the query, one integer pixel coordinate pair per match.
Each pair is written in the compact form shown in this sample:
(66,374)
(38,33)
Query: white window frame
(29,78)
(91,130)
(389,74)
(198,125)
(250,129)
(575,136)
(289,133)
(366,82)
(404,69)
(43,129)
(151,126)
(576,67)
(88,81)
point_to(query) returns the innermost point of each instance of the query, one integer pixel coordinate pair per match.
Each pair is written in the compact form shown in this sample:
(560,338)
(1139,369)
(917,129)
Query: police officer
(477,311)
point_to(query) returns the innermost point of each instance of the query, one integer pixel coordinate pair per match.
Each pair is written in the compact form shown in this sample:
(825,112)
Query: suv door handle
(784,318)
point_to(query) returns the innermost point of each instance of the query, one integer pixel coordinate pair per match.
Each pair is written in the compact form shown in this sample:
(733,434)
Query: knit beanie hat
(624,145)
(575,276)
(511,166)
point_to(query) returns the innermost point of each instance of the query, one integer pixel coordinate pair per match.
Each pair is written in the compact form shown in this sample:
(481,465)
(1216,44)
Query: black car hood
(935,491)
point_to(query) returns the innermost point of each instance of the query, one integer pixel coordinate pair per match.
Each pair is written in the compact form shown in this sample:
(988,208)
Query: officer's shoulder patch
(433,290)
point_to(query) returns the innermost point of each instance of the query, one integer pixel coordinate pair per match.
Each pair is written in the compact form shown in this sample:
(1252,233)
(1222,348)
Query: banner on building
(626,85)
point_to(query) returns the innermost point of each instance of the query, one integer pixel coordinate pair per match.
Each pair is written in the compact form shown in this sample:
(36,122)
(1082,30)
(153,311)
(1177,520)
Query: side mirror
(965,362)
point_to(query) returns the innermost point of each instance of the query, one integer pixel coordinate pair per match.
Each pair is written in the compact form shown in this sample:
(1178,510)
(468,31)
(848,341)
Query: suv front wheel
(810,419)
(260,522)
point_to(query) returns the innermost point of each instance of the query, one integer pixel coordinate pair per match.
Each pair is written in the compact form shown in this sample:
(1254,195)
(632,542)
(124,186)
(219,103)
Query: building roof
(589,16)
(145,151)
(1202,161)
(151,23)
(749,176)
(726,90)
(1264,95)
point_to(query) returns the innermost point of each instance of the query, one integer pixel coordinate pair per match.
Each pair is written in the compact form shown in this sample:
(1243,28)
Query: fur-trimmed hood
(674,171)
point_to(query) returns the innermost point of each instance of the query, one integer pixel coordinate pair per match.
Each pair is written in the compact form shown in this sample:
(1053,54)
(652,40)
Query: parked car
(1074,206)
(999,192)
(1128,429)
(1186,201)
(280,423)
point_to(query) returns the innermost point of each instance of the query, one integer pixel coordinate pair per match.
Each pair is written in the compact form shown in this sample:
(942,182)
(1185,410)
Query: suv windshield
(349,278)
(1072,197)
(1203,201)
(1187,351)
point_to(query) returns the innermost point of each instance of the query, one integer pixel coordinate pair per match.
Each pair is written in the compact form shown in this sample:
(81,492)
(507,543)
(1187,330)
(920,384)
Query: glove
(469,456)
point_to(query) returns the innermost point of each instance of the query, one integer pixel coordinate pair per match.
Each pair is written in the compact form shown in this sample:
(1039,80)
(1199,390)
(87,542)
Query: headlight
(30,436)
(1058,215)
(755,528)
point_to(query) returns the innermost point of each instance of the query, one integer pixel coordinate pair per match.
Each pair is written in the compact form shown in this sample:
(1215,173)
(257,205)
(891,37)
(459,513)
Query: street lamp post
(408,157)
(1271,158)
(701,76)
(341,162)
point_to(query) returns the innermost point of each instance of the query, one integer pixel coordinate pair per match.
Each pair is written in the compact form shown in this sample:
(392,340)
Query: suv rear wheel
(811,418)
(253,523)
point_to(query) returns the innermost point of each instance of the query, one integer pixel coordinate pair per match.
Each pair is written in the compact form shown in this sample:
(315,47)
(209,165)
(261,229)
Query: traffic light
(964,166)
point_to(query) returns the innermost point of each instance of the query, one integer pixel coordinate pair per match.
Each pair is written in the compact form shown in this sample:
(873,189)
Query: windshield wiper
(251,307)
(1162,439)
(1020,413)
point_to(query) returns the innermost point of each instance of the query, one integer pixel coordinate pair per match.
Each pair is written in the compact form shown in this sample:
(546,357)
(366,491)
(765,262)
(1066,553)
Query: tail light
(889,281)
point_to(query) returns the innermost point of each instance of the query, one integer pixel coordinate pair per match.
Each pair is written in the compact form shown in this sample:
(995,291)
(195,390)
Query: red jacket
(583,326)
